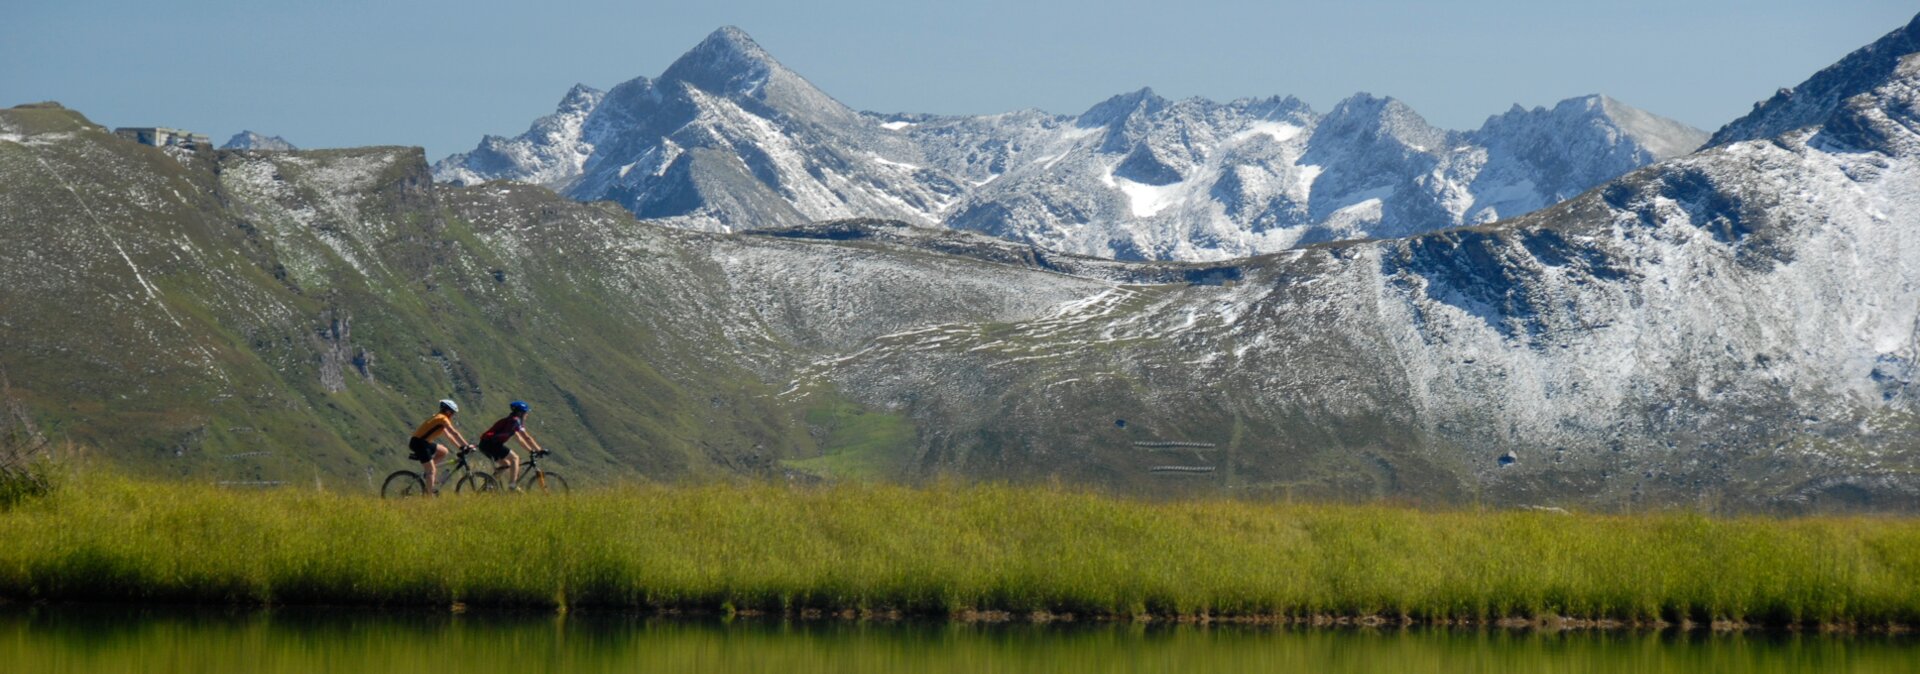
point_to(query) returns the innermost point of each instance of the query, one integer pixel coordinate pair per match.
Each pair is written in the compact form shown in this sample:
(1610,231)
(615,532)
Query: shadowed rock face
(1733,329)
(728,139)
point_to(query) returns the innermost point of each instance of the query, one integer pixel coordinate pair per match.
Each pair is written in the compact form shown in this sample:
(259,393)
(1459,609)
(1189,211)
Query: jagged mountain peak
(628,94)
(733,39)
(551,150)
(580,97)
(1542,155)
(248,140)
(731,65)
(1588,105)
(1385,116)
(1276,107)
(727,61)
(1592,105)
(1827,91)
(1658,136)
(1122,106)
(1662,137)
(1364,106)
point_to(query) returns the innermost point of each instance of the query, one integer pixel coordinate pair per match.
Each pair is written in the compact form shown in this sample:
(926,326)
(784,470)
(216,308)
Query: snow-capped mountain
(1194,179)
(727,138)
(1735,327)
(1538,157)
(550,153)
(248,140)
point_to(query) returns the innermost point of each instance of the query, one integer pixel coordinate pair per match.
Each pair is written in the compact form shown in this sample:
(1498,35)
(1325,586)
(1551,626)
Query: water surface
(67,639)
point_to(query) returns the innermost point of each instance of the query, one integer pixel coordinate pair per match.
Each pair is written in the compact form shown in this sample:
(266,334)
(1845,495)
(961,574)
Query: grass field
(949,550)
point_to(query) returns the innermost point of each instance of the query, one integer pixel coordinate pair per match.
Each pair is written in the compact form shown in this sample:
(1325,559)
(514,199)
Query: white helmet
(449,406)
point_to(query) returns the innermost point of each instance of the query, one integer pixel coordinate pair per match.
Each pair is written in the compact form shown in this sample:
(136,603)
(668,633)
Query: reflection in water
(138,640)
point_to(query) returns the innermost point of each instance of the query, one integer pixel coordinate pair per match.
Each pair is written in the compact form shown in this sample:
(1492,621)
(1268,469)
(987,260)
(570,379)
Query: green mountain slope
(297,309)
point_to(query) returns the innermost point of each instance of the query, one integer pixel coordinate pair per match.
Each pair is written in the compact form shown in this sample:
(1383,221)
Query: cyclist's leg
(432,468)
(504,462)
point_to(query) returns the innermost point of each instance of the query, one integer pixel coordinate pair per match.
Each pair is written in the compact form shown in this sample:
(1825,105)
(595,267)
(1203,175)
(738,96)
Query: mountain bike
(537,480)
(405,483)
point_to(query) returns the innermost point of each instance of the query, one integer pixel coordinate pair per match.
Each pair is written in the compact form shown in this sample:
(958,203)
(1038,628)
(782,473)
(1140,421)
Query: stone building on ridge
(160,136)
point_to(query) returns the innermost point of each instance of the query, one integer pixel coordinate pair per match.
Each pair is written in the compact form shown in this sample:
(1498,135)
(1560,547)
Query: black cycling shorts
(423,451)
(494,450)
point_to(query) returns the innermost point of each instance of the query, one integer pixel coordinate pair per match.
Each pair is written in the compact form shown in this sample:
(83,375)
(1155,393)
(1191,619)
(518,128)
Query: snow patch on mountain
(1280,132)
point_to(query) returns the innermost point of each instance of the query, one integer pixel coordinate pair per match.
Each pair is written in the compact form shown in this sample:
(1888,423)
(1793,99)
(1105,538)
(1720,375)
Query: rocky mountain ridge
(728,139)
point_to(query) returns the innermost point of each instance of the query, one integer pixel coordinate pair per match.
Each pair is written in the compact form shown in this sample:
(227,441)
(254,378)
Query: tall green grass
(946,549)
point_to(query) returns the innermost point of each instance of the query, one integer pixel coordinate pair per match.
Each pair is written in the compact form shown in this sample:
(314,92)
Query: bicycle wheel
(475,482)
(543,482)
(402,484)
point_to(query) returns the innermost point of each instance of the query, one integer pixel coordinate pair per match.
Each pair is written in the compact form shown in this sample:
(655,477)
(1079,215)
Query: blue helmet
(518,406)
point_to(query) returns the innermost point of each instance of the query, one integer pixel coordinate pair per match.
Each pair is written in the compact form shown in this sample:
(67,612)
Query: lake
(104,639)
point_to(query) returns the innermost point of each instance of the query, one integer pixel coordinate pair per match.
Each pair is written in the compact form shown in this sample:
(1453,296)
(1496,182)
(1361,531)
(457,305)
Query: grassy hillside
(950,550)
(288,317)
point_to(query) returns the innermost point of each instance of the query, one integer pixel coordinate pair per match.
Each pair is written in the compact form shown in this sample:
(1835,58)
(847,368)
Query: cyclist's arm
(527,441)
(457,437)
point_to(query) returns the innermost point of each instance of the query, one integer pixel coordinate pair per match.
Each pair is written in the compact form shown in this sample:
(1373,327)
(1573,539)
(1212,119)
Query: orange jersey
(435,427)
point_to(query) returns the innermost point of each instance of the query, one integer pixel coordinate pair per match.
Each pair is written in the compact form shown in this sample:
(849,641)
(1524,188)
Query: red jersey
(503,430)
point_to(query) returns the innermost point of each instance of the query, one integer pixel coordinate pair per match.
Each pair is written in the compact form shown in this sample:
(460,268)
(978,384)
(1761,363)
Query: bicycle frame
(446,472)
(528,466)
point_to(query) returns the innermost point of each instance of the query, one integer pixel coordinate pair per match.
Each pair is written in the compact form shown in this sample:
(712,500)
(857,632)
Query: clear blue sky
(328,73)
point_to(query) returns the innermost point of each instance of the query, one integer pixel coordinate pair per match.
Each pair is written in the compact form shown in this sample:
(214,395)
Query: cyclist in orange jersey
(430,453)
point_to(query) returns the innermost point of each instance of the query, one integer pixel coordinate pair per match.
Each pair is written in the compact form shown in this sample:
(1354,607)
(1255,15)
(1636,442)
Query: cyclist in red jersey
(493,443)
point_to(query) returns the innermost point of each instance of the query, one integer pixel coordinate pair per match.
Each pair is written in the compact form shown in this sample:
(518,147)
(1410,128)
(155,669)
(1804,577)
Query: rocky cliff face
(728,139)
